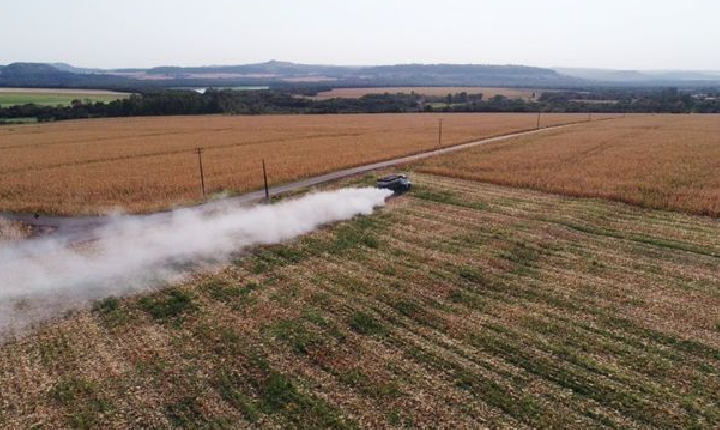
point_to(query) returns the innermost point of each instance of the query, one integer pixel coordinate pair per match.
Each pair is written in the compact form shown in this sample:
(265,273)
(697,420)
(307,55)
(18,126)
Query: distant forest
(184,102)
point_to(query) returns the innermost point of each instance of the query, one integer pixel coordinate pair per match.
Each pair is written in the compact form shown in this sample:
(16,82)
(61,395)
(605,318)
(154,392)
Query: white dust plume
(42,277)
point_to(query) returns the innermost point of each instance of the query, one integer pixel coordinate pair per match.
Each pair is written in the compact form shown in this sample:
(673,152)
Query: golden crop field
(487,92)
(459,305)
(146,164)
(660,161)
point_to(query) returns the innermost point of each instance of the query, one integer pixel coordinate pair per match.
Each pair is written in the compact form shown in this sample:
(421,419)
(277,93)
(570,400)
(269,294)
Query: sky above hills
(618,34)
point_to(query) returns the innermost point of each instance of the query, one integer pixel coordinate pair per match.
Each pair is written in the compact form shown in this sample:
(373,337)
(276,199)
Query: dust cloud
(42,278)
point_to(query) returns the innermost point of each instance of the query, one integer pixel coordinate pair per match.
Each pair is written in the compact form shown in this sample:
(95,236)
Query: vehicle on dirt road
(399,183)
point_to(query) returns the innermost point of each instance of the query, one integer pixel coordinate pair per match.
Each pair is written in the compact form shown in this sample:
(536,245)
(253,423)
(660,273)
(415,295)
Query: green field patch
(523,408)
(280,394)
(55,99)
(226,292)
(82,401)
(445,197)
(184,413)
(472,301)
(167,304)
(295,334)
(641,238)
(633,404)
(366,324)
(363,384)
(111,312)
(230,391)
(691,347)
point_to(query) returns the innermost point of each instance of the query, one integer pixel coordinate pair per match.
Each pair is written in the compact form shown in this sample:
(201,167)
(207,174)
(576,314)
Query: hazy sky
(625,34)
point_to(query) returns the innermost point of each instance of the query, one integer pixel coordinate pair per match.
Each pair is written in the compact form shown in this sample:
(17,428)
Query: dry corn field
(487,92)
(661,161)
(146,164)
(459,305)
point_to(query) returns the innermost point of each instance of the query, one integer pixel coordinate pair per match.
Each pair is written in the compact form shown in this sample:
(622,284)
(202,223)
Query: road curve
(80,228)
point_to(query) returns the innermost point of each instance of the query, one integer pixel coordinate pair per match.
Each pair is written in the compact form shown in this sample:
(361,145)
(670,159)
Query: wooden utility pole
(202,174)
(267,190)
(440,132)
(537,126)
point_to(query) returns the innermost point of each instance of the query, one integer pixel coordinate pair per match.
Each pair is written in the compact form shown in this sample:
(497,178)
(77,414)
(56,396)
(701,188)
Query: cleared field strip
(459,305)
(144,164)
(660,161)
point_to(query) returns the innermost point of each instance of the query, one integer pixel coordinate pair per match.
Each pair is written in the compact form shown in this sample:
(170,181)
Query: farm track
(461,304)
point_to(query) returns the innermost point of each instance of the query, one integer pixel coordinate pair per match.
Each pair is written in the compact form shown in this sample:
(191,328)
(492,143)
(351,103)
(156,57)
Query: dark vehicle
(398,183)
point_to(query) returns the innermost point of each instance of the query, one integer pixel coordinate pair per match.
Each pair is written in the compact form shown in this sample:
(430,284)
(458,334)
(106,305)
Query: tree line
(212,101)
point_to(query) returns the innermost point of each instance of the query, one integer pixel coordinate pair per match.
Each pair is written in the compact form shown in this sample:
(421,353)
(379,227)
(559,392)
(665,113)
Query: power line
(202,175)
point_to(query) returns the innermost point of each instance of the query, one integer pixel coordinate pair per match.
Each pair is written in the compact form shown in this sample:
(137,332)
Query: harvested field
(145,164)
(460,305)
(660,161)
(487,92)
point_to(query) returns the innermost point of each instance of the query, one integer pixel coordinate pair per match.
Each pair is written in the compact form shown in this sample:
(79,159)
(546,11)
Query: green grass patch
(225,292)
(407,308)
(469,300)
(185,413)
(229,391)
(363,384)
(365,324)
(82,401)
(294,333)
(471,275)
(167,305)
(281,395)
(523,408)
(54,350)
(641,238)
(692,347)
(496,341)
(348,237)
(111,312)
(445,197)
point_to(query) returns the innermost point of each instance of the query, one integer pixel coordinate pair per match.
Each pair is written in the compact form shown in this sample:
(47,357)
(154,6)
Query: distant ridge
(642,76)
(280,73)
(285,74)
